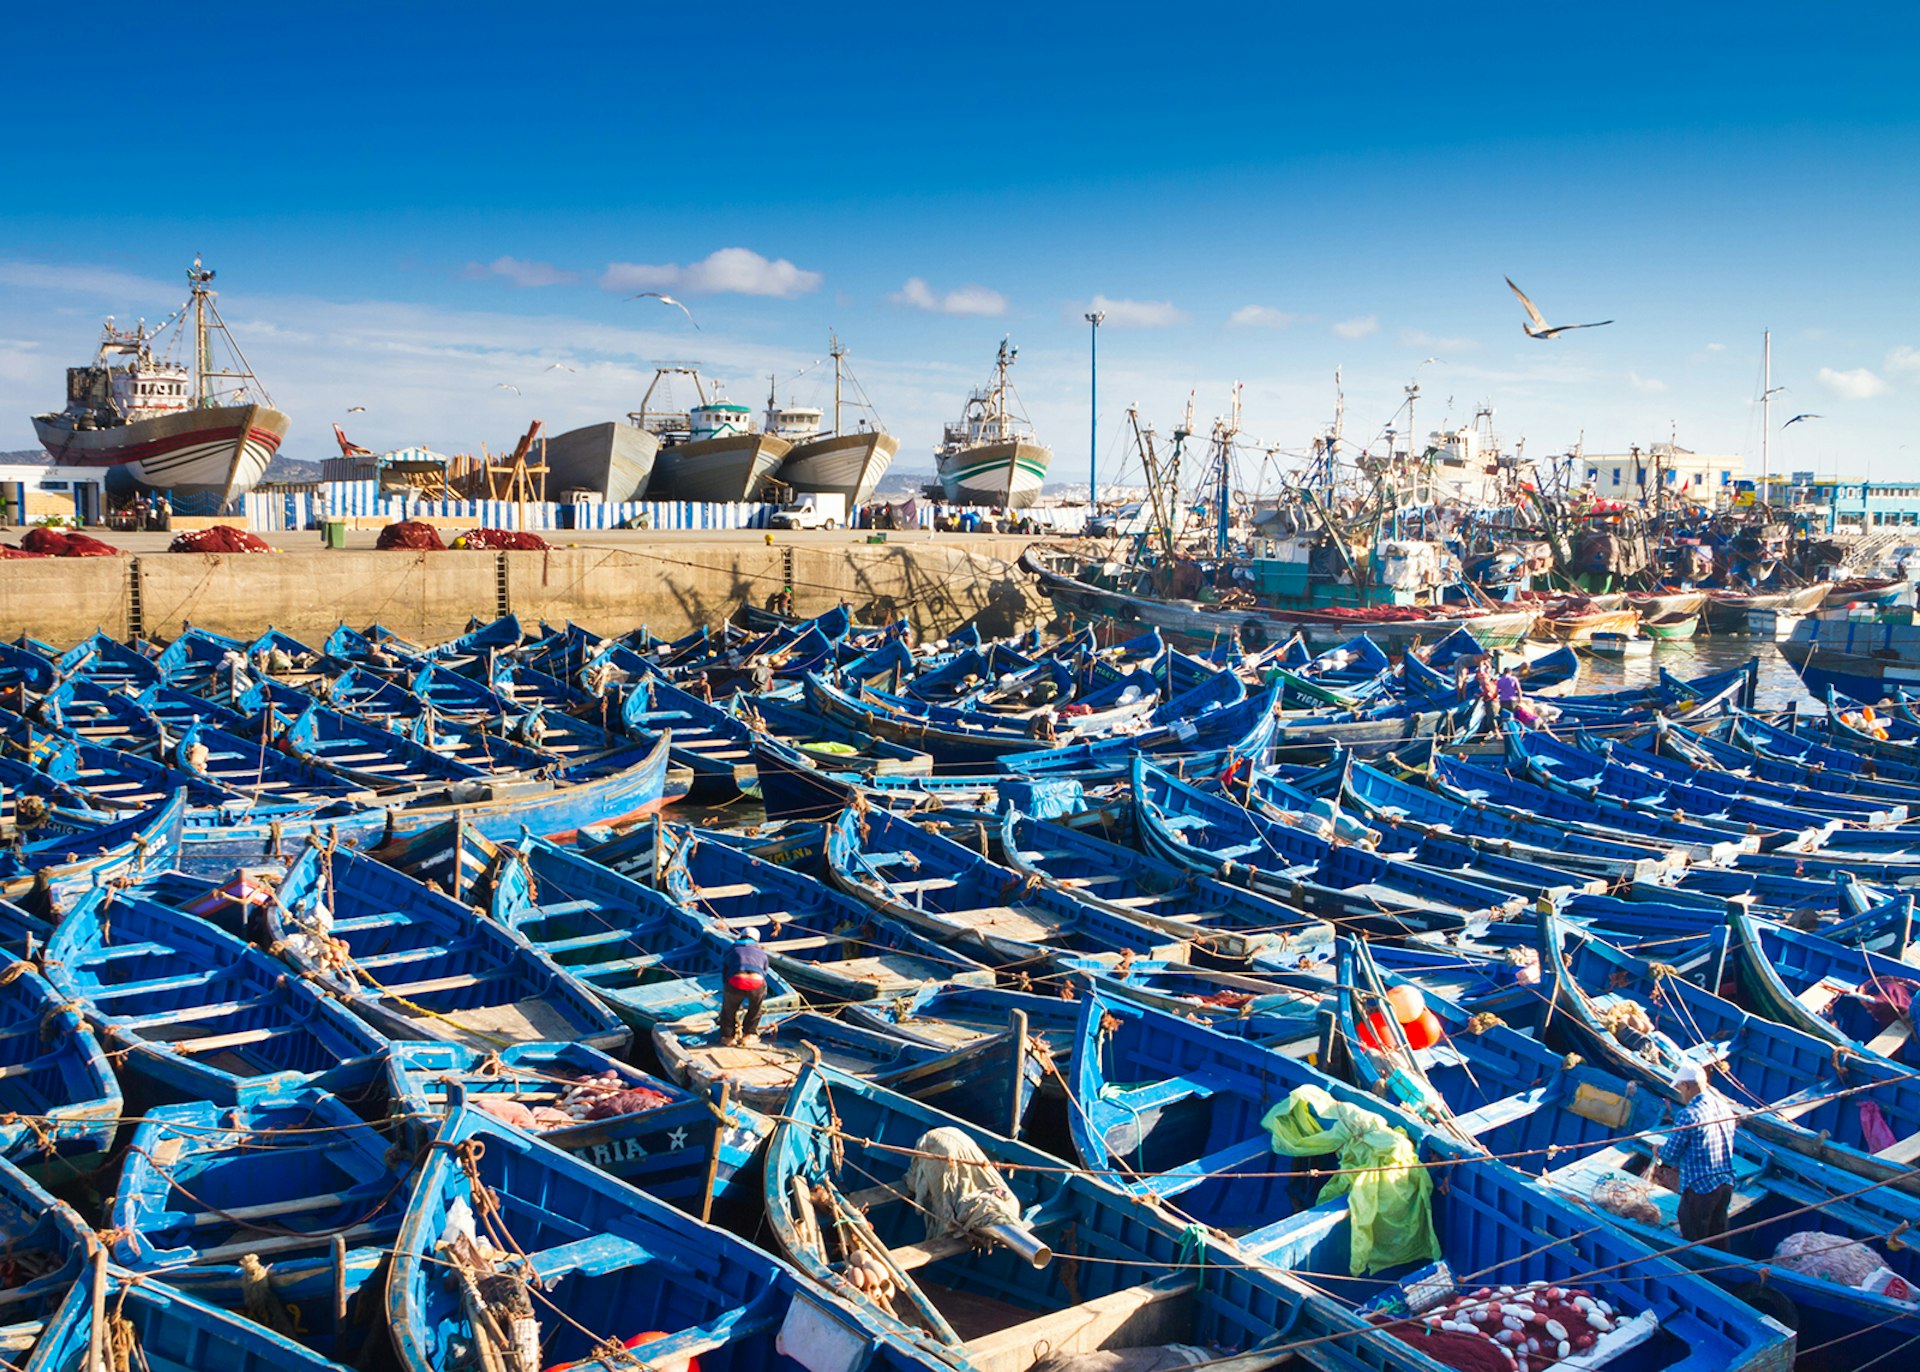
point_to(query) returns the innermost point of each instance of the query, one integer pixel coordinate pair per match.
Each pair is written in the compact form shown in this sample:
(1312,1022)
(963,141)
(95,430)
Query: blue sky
(412,205)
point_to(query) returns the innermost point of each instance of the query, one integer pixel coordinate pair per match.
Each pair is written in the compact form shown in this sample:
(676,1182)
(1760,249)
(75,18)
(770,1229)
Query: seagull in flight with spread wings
(356,409)
(1537,326)
(503,386)
(1797,418)
(667,300)
(558,367)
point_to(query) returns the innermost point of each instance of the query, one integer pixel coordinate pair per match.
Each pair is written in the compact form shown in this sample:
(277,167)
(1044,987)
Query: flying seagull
(1797,418)
(559,367)
(356,409)
(1536,325)
(503,386)
(667,300)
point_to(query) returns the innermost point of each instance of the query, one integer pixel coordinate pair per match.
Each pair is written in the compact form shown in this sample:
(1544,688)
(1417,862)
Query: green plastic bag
(1389,1195)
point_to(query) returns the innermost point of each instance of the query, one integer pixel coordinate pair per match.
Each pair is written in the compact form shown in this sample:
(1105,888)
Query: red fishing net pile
(221,538)
(502,540)
(40,542)
(412,535)
(1509,1329)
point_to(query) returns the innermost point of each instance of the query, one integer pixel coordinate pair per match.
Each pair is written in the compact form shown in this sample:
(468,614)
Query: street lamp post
(1095,318)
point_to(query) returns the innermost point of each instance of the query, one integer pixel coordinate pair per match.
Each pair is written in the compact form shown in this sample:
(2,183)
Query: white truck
(815,510)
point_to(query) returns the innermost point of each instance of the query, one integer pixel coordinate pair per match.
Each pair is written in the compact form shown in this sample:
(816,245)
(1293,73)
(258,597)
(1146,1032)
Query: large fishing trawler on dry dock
(200,434)
(988,456)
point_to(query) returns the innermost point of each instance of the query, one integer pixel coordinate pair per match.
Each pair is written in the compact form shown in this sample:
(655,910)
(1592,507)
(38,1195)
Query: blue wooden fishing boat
(377,647)
(1576,772)
(953,894)
(832,947)
(191,1012)
(1715,749)
(679,1145)
(1855,1111)
(1801,794)
(824,742)
(1592,1136)
(715,745)
(417,964)
(246,767)
(1226,925)
(631,786)
(644,957)
(47,1244)
(612,1264)
(282,1209)
(1852,997)
(1497,791)
(1344,885)
(108,662)
(200,660)
(990,1079)
(1177,1112)
(59,1098)
(46,860)
(161,1330)
(1493,866)
(1390,802)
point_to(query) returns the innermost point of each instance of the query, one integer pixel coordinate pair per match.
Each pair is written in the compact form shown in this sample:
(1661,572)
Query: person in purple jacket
(743,974)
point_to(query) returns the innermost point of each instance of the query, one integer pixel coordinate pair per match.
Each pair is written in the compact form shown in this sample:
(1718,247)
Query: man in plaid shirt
(1700,1145)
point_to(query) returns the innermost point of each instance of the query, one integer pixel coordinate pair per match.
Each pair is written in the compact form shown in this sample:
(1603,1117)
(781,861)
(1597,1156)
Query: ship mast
(837,352)
(198,278)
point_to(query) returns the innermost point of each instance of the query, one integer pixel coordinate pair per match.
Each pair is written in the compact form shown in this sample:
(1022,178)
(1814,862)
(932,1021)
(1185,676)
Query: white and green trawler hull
(1007,474)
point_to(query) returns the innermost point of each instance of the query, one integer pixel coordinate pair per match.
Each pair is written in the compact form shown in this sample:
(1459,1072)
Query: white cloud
(101,281)
(964,300)
(520,271)
(1261,317)
(1858,384)
(1358,327)
(1716,347)
(1650,384)
(1438,343)
(730,271)
(1133,314)
(1904,359)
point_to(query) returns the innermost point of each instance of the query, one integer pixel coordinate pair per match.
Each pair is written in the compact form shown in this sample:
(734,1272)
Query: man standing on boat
(1700,1145)
(743,972)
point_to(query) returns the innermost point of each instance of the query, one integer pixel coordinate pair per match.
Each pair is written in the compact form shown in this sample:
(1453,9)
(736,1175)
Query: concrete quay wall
(670,588)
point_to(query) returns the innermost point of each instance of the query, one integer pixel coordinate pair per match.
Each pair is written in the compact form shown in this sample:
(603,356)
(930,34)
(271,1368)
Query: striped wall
(283,511)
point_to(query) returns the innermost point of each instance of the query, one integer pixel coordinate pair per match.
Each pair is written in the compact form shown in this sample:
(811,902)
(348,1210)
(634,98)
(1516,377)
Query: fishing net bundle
(952,1182)
(502,540)
(1525,1328)
(1629,1199)
(410,535)
(221,538)
(46,542)
(1828,1257)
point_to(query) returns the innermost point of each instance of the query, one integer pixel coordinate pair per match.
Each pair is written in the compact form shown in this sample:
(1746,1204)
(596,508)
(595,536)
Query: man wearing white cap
(1700,1145)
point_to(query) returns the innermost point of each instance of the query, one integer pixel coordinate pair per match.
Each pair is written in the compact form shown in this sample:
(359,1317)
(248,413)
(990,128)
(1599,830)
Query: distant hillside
(291,469)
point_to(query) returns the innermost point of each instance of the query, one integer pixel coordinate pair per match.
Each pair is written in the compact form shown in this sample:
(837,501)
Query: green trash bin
(334,533)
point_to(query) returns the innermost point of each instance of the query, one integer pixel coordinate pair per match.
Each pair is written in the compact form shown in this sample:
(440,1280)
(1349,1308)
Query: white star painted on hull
(677,1139)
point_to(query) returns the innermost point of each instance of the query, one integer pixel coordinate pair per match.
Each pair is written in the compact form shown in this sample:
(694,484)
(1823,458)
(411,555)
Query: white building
(1628,476)
(41,490)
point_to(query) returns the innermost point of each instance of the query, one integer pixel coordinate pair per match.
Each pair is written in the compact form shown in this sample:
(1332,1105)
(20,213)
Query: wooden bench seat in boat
(1891,1039)
(1823,993)
(1905,1153)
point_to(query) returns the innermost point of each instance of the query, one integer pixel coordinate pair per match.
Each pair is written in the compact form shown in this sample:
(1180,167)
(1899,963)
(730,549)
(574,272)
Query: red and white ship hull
(199,456)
